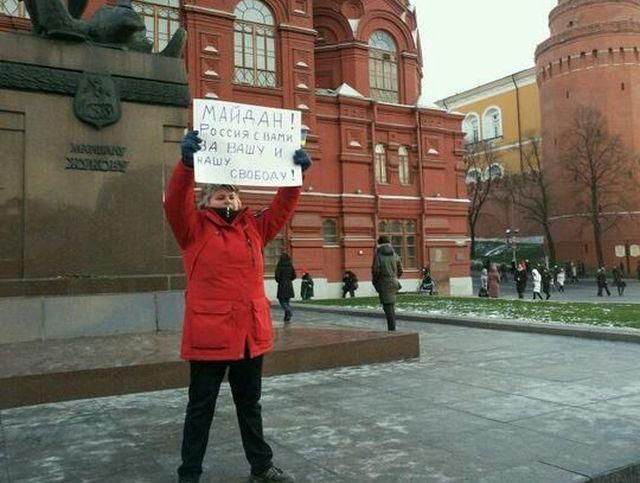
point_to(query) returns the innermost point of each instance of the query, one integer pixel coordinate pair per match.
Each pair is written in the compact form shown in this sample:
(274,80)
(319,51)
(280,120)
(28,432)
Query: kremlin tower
(592,60)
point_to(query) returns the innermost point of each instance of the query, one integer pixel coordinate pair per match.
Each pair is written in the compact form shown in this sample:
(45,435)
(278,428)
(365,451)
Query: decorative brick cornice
(572,4)
(622,26)
(27,77)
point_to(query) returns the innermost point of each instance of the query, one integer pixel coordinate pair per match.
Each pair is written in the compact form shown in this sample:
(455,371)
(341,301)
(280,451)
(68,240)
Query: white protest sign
(244,144)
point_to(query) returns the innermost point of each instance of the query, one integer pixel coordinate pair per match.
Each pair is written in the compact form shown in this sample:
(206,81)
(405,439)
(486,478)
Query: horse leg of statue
(55,22)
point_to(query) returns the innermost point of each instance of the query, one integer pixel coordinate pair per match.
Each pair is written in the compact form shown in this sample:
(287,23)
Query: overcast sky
(466,43)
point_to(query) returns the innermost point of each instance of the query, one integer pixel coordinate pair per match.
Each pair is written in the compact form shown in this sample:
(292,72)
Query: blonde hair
(206,190)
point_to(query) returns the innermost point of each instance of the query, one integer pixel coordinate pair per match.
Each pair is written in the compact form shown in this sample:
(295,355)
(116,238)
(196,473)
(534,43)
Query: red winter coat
(226,308)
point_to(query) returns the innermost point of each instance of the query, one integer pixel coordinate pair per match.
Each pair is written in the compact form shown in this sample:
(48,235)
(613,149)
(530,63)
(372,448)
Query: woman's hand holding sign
(302,159)
(188,146)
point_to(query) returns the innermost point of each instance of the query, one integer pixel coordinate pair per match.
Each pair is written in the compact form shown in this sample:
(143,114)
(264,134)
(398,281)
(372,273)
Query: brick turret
(591,59)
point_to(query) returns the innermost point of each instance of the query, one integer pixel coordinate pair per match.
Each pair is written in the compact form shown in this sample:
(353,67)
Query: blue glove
(190,144)
(302,159)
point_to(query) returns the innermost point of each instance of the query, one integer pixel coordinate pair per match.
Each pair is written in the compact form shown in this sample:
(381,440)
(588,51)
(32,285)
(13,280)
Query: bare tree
(530,191)
(601,167)
(483,171)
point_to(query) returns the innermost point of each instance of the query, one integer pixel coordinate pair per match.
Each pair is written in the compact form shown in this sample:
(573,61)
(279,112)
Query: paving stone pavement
(482,406)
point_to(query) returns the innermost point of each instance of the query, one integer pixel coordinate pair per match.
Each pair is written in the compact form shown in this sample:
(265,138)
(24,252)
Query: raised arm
(271,220)
(179,204)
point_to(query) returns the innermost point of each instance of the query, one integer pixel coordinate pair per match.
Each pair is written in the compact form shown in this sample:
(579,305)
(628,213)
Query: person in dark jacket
(285,275)
(306,285)
(427,284)
(349,284)
(521,280)
(546,282)
(618,280)
(601,281)
(227,322)
(385,271)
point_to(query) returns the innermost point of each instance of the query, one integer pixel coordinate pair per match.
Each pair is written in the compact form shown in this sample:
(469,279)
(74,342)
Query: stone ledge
(60,370)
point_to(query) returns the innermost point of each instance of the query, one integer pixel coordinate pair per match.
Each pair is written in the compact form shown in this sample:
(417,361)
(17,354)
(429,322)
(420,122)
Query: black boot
(271,474)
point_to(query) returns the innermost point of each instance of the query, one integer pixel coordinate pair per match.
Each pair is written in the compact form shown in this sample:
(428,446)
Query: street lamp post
(511,234)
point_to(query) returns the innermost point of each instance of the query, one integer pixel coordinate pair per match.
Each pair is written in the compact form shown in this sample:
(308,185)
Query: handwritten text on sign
(245,144)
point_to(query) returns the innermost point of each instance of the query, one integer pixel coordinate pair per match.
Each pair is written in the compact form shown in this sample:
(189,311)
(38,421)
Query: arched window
(471,128)
(161,19)
(330,232)
(492,123)
(383,67)
(380,164)
(404,167)
(254,44)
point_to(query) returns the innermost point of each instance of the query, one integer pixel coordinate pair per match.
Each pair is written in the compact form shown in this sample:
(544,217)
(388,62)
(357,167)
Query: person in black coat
(285,275)
(521,280)
(306,285)
(618,280)
(349,284)
(546,282)
(601,280)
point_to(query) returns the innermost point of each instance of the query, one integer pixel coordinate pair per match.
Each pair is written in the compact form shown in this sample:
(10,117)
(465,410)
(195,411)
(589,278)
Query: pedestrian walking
(537,283)
(385,271)
(484,283)
(618,281)
(349,284)
(554,277)
(493,282)
(601,281)
(560,280)
(227,321)
(285,275)
(306,285)
(521,280)
(503,272)
(546,283)
(574,273)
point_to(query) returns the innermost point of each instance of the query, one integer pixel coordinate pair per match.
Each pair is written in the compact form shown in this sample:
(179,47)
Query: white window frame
(492,127)
(467,127)
(255,46)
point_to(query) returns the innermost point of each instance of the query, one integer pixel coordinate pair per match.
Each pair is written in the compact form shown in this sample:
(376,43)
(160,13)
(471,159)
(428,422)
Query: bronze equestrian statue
(118,27)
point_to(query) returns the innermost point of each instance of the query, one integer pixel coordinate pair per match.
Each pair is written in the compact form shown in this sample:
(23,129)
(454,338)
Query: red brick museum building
(383,162)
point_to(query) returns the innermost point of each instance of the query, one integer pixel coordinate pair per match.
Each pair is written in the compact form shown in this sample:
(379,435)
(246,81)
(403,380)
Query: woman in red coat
(227,321)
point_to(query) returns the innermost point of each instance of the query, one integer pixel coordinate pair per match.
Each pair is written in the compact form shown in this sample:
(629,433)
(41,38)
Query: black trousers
(390,312)
(286,306)
(245,379)
(351,292)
